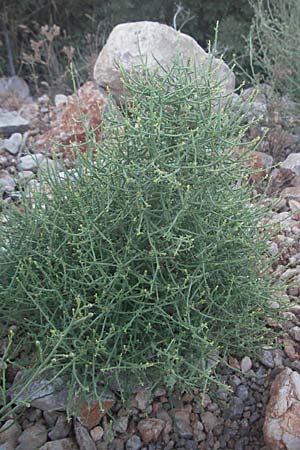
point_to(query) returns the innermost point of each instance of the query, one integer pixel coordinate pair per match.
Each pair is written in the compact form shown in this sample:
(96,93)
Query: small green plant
(146,259)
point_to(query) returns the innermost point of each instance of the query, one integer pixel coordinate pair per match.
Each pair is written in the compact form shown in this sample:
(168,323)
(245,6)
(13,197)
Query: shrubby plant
(146,261)
(275,39)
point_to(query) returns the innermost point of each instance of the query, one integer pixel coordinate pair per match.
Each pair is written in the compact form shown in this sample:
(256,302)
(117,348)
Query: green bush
(145,260)
(275,40)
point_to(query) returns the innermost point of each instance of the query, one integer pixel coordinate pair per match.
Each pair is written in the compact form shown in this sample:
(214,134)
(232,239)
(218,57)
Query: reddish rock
(84,111)
(259,163)
(91,413)
(150,429)
(282,421)
(292,349)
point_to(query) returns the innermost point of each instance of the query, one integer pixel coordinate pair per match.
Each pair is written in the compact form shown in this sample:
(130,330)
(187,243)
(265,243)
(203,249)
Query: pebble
(83,438)
(242,392)
(61,429)
(150,429)
(182,423)
(120,425)
(30,162)
(97,433)
(61,444)
(295,333)
(267,359)
(33,437)
(209,421)
(246,364)
(134,443)
(235,409)
(13,144)
(10,430)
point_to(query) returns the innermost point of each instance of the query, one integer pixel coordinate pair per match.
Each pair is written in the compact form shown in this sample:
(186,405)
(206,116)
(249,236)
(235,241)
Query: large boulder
(155,44)
(282,421)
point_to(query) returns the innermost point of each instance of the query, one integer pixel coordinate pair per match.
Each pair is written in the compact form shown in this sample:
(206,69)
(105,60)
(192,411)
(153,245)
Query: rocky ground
(235,419)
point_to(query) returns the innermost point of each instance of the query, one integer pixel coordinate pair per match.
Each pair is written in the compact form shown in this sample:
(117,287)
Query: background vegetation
(83,31)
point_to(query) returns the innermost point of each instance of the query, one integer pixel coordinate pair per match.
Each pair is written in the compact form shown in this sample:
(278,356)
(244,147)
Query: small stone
(29,162)
(33,437)
(242,392)
(235,409)
(61,444)
(143,399)
(50,417)
(273,249)
(61,429)
(159,391)
(209,421)
(11,122)
(13,144)
(120,425)
(288,274)
(10,430)
(198,432)
(24,176)
(292,162)
(150,429)
(246,364)
(7,183)
(134,443)
(60,100)
(83,438)
(267,359)
(234,381)
(182,423)
(97,433)
(92,413)
(295,333)
(163,415)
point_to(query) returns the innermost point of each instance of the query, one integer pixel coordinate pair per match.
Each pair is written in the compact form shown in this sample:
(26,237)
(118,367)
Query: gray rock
(209,421)
(9,445)
(61,429)
(97,433)
(7,183)
(83,438)
(121,424)
(9,431)
(61,444)
(11,122)
(30,162)
(235,409)
(182,423)
(143,398)
(267,359)
(24,176)
(131,44)
(292,162)
(295,333)
(242,392)
(14,86)
(246,364)
(13,144)
(134,443)
(33,437)
(42,394)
